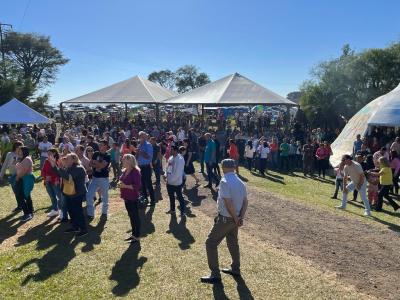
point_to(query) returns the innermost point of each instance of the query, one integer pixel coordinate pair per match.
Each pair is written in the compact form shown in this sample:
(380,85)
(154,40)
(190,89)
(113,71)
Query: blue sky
(274,43)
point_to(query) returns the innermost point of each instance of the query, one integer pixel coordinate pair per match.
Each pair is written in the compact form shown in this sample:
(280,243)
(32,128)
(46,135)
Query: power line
(23,16)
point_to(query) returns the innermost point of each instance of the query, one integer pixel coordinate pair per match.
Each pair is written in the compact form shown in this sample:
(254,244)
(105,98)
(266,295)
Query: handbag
(69,186)
(142,202)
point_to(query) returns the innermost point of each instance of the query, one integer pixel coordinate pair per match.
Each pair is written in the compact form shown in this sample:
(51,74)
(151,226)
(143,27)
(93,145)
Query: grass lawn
(317,193)
(39,261)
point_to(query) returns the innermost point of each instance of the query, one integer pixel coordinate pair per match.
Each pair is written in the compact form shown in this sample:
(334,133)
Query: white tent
(16,112)
(383,111)
(234,89)
(132,90)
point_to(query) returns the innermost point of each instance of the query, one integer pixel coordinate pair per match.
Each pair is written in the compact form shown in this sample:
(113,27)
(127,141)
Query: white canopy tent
(234,89)
(16,112)
(383,111)
(135,90)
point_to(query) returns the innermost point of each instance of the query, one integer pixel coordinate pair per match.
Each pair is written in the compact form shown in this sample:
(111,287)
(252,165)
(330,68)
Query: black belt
(228,218)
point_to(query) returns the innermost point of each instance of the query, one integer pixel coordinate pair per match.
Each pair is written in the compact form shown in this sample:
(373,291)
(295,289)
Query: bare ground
(362,255)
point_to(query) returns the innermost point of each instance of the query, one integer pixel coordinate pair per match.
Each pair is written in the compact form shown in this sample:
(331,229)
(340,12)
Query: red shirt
(273,147)
(132,178)
(47,171)
(233,152)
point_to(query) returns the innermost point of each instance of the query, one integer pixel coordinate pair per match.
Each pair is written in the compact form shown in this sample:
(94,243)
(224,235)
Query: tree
(182,80)
(188,78)
(34,57)
(342,86)
(165,78)
(32,63)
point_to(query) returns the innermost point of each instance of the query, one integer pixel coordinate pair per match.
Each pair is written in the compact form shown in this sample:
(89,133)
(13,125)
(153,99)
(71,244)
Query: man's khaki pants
(223,227)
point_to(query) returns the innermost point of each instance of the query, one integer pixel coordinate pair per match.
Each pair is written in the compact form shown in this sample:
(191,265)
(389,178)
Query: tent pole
(126,110)
(202,115)
(157,114)
(287,125)
(62,113)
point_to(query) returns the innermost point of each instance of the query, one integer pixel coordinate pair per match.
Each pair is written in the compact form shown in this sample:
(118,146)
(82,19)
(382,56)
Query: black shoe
(230,272)
(26,218)
(81,233)
(90,218)
(210,279)
(103,217)
(17,209)
(333,197)
(170,212)
(71,230)
(209,186)
(129,238)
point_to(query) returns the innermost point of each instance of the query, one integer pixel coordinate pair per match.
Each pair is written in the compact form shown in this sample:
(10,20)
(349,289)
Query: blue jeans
(363,193)
(42,160)
(103,185)
(54,192)
(274,160)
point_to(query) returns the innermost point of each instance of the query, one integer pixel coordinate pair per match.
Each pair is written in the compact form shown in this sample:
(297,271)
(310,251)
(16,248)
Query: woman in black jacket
(74,169)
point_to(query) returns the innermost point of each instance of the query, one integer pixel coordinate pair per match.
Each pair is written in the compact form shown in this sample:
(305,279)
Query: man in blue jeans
(144,156)
(100,163)
(210,159)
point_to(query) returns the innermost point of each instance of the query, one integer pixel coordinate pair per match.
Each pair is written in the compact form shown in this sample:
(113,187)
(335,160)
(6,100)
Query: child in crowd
(373,182)
(338,180)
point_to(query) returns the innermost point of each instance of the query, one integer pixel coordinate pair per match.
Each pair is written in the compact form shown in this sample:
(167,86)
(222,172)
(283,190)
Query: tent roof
(388,113)
(383,111)
(234,89)
(132,90)
(16,112)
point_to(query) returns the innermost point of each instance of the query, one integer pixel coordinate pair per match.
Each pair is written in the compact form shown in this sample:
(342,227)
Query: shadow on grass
(268,177)
(146,220)
(62,248)
(219,292)
(9,226)
(127,269)
(244,292)
(193,196)
(392,226)
(180,232)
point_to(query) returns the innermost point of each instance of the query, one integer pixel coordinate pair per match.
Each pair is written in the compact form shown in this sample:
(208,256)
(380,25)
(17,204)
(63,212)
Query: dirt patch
(360,254)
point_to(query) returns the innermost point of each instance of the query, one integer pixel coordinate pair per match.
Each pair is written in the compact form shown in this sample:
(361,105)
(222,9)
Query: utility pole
(3,31)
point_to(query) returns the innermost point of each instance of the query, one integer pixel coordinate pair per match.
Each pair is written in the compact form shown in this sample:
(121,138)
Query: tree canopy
(32,63)
(342,86)
(182,80)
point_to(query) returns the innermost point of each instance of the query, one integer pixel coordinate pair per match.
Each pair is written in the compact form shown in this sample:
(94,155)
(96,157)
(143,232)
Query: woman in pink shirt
(24,168)
(130,182)
(322,156)
(395,166)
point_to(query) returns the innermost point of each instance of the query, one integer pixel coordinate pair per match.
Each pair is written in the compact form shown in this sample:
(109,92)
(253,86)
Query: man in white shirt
(66,144)
(232,206)
(43,147)
(354,170)
(181,135)
(174,177)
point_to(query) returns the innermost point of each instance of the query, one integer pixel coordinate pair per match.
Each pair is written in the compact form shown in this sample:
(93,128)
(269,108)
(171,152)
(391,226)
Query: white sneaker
(60,214)
(367,213)
(53,213)
(339,207)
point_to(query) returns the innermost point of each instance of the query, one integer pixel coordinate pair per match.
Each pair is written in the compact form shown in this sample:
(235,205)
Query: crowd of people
(80,162)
